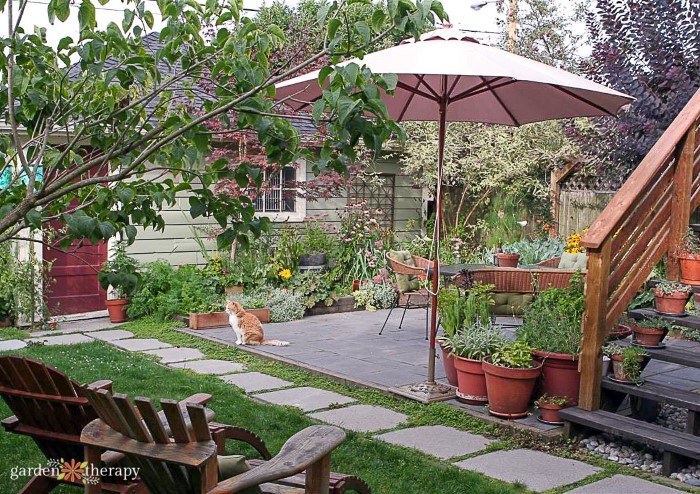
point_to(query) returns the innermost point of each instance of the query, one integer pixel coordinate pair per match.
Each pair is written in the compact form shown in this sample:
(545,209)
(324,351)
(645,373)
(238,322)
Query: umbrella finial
(447,25)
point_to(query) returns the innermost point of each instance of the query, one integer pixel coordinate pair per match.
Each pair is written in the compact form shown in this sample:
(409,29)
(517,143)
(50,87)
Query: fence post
(680,199)
(594,325)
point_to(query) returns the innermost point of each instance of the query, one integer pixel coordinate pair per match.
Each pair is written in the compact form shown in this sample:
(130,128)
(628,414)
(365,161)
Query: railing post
(680,199)
(594,325)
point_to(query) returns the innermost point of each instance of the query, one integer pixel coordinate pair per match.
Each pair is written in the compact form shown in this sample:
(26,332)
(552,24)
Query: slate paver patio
(437,440)
(623,484)
(255,381)
(7,345)
(362,418)
(537,470)
(111,335)
(209,366)
(171,355)
(305,398)
(64,339)
(140,344)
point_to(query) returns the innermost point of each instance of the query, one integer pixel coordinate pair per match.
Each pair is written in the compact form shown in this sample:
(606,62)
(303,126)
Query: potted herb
(650,331)
(315,244)
(552,326)
(549,407)
(689,258)
(622,329)
(508,257)
(121,274)
(470,346)
(511,374)
(628,362)
(670,297)
(452,320)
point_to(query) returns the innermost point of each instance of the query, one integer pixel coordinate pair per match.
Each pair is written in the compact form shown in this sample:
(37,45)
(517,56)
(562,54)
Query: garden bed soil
(343,304)
(208,320)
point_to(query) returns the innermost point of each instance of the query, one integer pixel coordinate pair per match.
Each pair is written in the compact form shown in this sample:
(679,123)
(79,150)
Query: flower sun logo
(72,471)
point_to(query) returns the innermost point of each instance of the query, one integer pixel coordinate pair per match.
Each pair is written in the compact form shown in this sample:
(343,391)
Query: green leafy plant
(315,287)
(671,287)
(287,250)
(373,296)
(120,272)
(535,250)
(516,355)
(317,239)
(546,399)
(690,243)
(632,358)
(249,300)
(653,322)
(612,349)
(481,339)
(644,298)
(285,305)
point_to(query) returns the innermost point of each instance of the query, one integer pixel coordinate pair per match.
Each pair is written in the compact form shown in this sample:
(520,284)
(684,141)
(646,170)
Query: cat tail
(274,342)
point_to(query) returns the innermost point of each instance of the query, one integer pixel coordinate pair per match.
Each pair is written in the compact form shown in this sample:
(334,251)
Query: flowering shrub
(573,243)
(373,296)
(363,243)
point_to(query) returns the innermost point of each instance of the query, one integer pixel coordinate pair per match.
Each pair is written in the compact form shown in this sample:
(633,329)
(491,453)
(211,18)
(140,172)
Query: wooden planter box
(343,304)
(208,320)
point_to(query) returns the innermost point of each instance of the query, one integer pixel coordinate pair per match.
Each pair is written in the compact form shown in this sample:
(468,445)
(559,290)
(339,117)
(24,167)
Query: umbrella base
(426,392)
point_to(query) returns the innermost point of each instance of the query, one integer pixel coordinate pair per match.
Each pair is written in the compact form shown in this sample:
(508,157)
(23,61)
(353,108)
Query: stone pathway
(537,470)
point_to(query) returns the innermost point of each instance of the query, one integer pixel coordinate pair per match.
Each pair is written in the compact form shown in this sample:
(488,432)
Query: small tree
(102,134)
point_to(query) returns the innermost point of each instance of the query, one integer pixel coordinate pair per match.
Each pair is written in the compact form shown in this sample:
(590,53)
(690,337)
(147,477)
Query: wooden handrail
(609,220)
(645,220)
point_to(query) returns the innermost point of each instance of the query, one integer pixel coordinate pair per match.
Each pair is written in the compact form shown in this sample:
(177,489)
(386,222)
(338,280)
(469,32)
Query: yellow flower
(285,273)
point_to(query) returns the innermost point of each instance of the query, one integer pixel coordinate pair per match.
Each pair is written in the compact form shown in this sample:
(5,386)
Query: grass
(13,334)
(388,469)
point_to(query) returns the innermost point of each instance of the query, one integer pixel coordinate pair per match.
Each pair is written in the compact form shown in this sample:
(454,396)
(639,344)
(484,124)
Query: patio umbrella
(448,76)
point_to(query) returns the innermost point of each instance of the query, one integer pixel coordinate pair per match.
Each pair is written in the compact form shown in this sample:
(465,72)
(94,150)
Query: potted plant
(689,258)
(650,331)
(470,346)
(622,329)
(451,319)
(121,273)
(670,297)
(511,374)
(549,407)
(315,245)
(552,326)
(508,257)
(628,362)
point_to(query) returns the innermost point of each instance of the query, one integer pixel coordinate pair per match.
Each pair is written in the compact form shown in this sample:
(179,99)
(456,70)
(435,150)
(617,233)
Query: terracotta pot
(5,323)
(673,303)
(448,361)
(234,290)
(648,336)
(471,381)
(509,390)
(508,260)
(117,309)
(355,285)
(690,268)
(560,375)
(550,413)
(618,370)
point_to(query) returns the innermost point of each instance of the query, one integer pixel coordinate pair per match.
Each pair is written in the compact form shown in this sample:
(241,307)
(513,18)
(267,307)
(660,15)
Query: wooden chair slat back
(107,410)
(200,426)
(133,422)
(176,420)
(151,419)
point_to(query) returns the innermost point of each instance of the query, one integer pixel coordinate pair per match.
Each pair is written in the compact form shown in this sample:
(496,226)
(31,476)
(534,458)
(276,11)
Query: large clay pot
(448,361)
(509,389)
(648,336)
(690,268)
(673,303)
(471,381)
(560,375)
(508,260)
(117,309)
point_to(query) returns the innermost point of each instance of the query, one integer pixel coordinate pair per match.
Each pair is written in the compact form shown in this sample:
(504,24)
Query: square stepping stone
(624,483)
(305,397)
(537,470)
(212,367)
(140,344)
(115,334)
(362,418)
(437,440)
(255,381)
(64,339)
(171,355)
(7,345)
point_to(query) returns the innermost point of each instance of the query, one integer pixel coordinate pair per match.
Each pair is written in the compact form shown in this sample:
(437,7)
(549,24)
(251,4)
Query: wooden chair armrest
(301,451)
(222,433)
(110,458)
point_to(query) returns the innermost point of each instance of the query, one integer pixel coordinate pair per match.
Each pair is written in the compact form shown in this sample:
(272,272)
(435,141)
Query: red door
(75,288)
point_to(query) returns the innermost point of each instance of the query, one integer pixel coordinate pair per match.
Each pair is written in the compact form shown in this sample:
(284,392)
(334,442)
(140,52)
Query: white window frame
(299,213)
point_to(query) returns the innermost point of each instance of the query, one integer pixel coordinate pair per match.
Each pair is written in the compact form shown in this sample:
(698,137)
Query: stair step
(673,355)
(689,321)
(652,435)
(658,392)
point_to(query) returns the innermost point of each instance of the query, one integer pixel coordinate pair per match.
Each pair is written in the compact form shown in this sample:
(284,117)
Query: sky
(461,15)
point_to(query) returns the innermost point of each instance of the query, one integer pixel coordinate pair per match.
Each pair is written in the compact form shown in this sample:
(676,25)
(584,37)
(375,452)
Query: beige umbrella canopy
(448,76)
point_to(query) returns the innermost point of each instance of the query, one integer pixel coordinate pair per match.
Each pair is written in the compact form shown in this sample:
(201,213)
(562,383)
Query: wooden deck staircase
(644,221)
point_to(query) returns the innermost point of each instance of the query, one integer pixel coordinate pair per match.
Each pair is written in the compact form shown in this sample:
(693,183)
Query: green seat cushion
(232,465)
(405,282)
(573,261)
(510,303)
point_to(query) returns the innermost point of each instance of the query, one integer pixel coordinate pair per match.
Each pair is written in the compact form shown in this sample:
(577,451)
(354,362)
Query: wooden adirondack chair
(187,463)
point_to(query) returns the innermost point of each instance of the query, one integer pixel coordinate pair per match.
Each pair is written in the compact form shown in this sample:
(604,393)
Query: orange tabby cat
(248,328)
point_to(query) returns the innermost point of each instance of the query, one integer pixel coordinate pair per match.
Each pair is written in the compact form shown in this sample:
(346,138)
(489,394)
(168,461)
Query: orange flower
(538,221)
(546,227)
(72,471)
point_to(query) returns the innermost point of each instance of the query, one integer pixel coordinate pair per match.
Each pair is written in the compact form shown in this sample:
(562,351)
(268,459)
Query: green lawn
(388,469)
